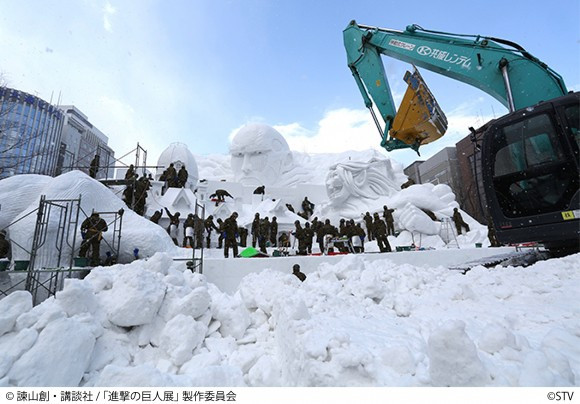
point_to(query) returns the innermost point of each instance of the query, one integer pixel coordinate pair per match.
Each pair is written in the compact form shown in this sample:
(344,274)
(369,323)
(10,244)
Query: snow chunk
(13,345)
(495,337)
(453,357)
(135,297)
(180,337)
(77,297)
(11,307)
(65,341)
(232,314)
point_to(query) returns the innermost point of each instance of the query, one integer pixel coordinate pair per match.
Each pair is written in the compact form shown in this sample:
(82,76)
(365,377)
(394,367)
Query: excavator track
(521,258)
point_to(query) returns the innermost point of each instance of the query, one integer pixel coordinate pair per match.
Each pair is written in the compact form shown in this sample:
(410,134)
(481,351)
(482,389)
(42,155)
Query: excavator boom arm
(511,75)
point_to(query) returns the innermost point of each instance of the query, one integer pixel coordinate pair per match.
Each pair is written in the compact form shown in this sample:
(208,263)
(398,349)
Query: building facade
(442,168)
(412,171)
(30,134)
(79,144)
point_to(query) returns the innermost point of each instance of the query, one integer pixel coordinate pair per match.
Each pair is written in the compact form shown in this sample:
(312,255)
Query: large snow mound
(353,323)
(20,195)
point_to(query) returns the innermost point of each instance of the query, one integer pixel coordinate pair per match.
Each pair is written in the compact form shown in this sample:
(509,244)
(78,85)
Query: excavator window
(530,168)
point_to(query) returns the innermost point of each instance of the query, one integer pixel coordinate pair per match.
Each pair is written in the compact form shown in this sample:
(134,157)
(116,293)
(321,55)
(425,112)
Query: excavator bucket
(419,119)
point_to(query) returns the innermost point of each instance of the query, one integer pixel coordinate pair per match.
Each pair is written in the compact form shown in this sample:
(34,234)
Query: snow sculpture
(355,186)
(261,156)
(357,179)
(178,154)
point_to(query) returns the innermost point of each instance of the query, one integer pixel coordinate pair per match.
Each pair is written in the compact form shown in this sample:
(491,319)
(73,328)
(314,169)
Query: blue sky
(157,72)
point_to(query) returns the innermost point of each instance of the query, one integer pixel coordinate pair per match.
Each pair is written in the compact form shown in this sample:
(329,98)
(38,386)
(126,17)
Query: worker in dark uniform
(221,230)
(380,232)
(220,196)
(231,231)
(188,226)
(283,240)
(407,184)
(296,271)
(341,226)
(346,232)
(388,215)
(264,234)
(171,177)
(128,195)
(198,227)
(459,223)
(308,233)
(369,224)
(328,232)
(209,226)
(156,216)
(300,236)
(130,174)
(360,234)
(182,176)
(243,232)
(4,245)
(140,195)
(173,225)
(317,227)
(94,168)
(273,231)
(307,207)
(255,229)
(260,190)
(92,230)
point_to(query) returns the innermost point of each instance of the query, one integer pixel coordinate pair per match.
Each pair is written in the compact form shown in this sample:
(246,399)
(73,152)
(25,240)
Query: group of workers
(347,237)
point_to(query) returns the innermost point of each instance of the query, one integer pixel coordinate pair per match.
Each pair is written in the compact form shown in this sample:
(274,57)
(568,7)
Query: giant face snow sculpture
(260,155)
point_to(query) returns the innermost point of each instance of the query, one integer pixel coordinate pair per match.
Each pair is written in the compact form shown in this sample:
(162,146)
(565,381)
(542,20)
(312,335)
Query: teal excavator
(529,157)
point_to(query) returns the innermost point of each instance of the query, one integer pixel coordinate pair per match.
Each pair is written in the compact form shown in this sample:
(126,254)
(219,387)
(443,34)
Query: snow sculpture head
(360,180)
(259,156)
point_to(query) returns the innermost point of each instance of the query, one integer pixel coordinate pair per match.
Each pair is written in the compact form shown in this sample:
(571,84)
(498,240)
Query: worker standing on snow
(273,231)
(231,231)
(388,215)
(459,223)
(173,226)
(92,230)
(369,223)
(255,230)
(209,226)
(380,232)
(182,176)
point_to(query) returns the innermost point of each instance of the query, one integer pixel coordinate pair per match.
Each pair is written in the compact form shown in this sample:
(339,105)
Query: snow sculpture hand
(414,219)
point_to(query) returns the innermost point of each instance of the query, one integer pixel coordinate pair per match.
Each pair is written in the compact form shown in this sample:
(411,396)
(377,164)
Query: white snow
(353,322)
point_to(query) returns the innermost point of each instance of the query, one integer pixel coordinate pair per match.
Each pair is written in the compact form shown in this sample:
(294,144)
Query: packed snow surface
(352,323)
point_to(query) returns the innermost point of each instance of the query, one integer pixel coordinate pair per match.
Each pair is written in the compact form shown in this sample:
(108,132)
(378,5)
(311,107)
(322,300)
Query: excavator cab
(419,119)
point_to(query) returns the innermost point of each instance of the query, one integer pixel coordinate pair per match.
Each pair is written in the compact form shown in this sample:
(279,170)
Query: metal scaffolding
(53,250)
(197,261)
(447,233)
